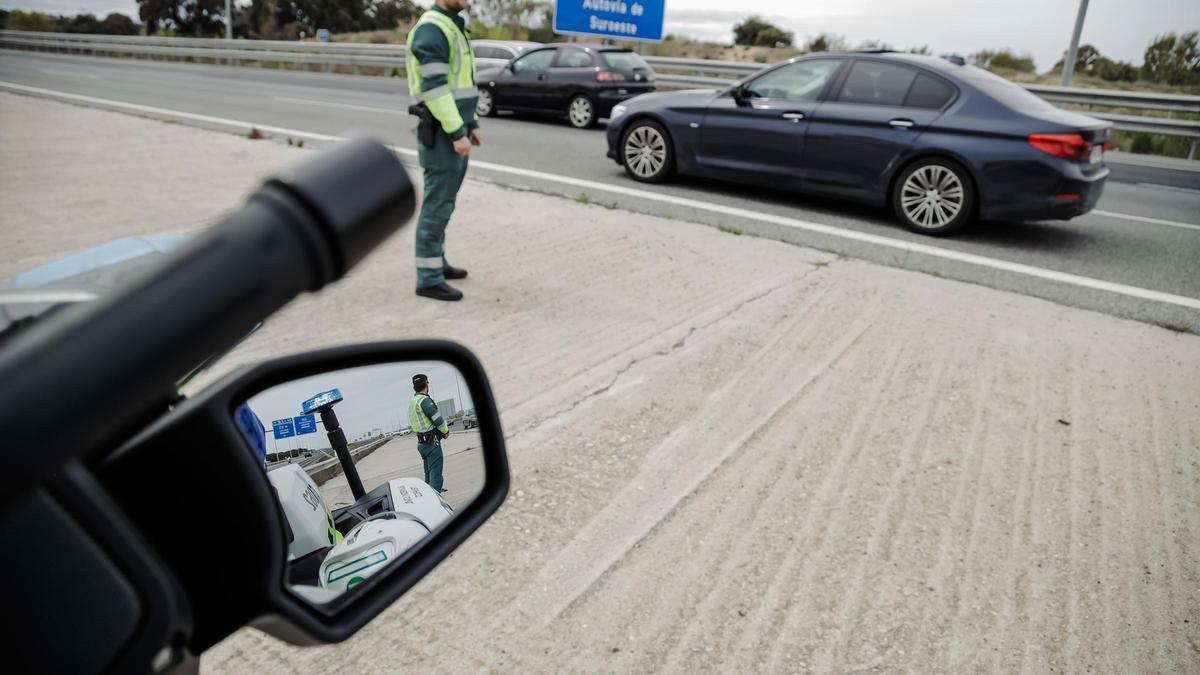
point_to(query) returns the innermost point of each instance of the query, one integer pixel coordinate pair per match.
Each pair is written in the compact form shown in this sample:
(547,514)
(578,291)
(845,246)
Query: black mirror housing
(223,509)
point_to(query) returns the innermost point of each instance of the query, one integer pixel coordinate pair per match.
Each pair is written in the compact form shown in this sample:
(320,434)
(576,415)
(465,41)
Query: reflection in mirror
(366,462)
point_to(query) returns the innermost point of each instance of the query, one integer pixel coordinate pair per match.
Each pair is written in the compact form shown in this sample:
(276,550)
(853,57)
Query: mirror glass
(366,462)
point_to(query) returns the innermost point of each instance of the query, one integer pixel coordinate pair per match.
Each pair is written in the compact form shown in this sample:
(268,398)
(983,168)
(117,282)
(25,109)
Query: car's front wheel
(485,105)
(582,112)
(934,196)
(646,152)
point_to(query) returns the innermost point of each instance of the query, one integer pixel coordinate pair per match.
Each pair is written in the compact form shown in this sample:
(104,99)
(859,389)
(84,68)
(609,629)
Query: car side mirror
(321,502)
(739,92)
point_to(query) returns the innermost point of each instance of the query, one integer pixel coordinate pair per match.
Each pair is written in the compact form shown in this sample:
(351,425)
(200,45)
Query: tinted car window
(877,83)
(627,61)
(1010,95)
(573,58)
(535,61)
(486,53)
(928,92)
(801,81)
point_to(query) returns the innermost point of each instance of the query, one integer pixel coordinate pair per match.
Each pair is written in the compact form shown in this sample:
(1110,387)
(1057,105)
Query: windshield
(1007,93)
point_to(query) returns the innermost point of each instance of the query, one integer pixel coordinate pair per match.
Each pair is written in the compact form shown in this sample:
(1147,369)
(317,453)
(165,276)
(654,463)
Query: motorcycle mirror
(367,462)
(332,485)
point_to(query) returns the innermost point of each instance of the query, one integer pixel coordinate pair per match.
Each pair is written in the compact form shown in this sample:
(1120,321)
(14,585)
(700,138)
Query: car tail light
(1067,146)
(609,76)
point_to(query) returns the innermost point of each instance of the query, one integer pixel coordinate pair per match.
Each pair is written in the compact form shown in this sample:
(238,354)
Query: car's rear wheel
(582,112)
(646,152)
(485,105)
(934,196)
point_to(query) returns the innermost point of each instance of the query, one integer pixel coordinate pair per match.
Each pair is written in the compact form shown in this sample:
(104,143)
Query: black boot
(452,272)
(442,291)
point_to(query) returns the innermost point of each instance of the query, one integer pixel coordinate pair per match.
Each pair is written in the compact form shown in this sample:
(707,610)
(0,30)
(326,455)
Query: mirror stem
(337,439)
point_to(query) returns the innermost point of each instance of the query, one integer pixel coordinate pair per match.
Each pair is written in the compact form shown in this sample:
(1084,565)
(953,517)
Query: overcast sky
(1119,28)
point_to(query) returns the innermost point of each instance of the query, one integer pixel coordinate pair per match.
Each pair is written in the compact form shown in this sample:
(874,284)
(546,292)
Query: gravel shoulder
(728,454)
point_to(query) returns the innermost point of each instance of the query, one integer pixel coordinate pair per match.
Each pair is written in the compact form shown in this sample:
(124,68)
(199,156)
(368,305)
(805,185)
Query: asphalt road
(1144,236)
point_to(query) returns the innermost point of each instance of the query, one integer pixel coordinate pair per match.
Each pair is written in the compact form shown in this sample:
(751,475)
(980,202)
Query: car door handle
(794,116)
(902,124)
(541,77)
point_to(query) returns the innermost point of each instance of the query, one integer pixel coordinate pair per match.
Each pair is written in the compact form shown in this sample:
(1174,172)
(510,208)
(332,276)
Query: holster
(428,123)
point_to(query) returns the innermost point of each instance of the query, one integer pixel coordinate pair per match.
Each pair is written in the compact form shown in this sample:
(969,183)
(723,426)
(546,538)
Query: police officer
(441,75)
(430,429)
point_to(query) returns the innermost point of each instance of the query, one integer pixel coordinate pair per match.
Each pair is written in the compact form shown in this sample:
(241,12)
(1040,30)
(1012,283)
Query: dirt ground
(728,454)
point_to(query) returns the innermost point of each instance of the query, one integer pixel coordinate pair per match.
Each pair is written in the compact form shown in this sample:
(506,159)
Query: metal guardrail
(671,72)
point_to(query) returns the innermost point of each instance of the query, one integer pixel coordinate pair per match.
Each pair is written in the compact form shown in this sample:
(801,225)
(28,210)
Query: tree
(119,24)
(1114,71)
(1002,59)
(33,21)
(826,42)
(1085,58)
(516,19)
(83,23)
(1173,59)
(757,32)
(195,18)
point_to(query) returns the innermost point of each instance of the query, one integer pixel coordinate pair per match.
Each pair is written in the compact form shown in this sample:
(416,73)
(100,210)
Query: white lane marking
(68,73)
(367,108)
(784,221)
(173,114)
(1171,188)
(1144,219)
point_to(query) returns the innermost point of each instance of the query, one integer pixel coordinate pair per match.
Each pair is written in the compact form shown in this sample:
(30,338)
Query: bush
(1002,59)
(756,32)
(825,42)
(32,21)
(1113,71)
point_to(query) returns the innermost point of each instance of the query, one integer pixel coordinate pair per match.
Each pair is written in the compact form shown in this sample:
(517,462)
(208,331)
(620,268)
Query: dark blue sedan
(940,142)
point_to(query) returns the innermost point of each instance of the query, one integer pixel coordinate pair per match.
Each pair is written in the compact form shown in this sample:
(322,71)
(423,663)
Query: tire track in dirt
(1174,582)
(1015,609)
(619,362)
(736,532)
(945,570)
(655,513)
(883,524)
(661,454)
(766,623)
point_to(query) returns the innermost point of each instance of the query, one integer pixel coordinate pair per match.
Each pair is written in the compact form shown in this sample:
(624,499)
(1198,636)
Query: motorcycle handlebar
(83,378)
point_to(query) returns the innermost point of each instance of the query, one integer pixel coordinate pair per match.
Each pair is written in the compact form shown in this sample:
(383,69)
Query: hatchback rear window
(627,61)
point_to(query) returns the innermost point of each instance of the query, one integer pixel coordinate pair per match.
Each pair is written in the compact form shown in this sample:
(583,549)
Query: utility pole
(228,19)
(1069,63)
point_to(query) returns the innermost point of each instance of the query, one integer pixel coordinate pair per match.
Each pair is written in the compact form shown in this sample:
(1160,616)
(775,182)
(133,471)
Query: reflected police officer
(430,428)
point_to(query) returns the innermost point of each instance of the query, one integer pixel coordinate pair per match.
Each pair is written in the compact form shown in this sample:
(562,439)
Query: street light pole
(1069,63)
(228,19)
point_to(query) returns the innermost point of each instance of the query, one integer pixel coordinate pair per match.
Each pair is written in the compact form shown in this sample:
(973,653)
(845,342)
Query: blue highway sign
(305,424)
(617,19)
(283,428)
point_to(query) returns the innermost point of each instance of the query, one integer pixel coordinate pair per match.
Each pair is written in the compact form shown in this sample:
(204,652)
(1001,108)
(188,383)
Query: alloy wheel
(932,196)
(645,151)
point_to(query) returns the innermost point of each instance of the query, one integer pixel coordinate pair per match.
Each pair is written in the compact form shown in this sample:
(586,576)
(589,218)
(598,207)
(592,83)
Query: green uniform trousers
(444,173)
(431,457)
